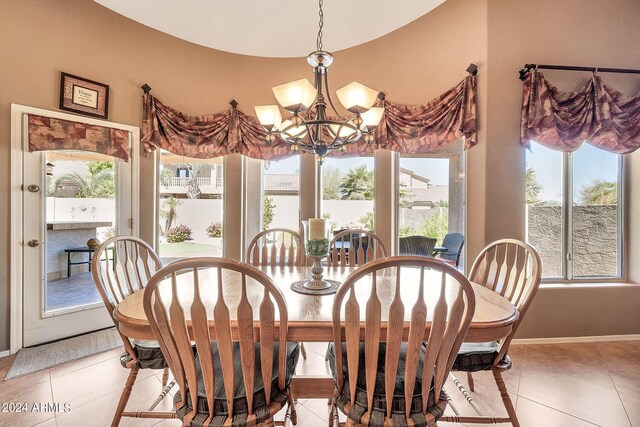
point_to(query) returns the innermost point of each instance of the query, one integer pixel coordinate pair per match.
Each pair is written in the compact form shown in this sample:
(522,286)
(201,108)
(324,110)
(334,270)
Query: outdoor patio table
(310,316)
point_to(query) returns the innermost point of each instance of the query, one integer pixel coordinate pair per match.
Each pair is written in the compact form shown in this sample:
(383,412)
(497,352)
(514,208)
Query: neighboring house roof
(414,175)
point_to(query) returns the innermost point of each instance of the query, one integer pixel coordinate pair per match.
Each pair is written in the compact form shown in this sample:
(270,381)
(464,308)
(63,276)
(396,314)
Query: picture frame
(84,96)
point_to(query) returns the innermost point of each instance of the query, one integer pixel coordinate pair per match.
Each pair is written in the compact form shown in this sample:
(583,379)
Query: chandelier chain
(320,25)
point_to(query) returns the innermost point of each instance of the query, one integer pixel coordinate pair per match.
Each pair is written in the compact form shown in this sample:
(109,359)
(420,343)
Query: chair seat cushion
(474,357)
(261,409)
(378,412)
(149,355)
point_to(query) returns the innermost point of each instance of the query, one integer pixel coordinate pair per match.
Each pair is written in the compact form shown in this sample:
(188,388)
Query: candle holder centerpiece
(317,233)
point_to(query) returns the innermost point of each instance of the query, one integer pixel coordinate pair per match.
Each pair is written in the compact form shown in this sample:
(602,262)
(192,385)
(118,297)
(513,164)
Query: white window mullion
(567,211)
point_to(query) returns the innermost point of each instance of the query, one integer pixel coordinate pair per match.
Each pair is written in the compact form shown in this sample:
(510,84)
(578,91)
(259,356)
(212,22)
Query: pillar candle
(316,228)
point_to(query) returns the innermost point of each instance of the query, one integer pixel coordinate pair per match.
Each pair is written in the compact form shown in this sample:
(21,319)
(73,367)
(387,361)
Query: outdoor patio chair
(513,269)
(121,266)
(416,245)
(454,243)
(238,378)
(382,380)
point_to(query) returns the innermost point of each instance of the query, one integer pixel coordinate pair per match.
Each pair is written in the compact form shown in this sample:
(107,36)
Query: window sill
(590,285)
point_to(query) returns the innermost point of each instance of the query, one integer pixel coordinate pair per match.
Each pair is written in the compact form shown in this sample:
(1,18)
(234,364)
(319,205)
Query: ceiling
(273,28)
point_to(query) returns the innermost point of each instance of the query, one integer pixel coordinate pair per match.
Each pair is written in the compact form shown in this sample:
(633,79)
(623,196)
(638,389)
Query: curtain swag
(404,128)
(597,114)
(47,133)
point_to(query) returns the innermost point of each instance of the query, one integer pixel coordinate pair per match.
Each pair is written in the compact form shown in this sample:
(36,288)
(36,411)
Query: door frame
(18,131)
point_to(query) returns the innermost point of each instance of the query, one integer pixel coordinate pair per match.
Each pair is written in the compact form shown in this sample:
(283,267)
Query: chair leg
(470,381)
(506,399)
(292,406)
(303,351)
(162,395)
(124,397)
(165,377)
(466,395)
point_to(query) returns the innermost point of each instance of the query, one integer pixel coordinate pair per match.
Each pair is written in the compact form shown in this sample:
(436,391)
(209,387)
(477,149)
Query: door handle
(33,188)
(34,243)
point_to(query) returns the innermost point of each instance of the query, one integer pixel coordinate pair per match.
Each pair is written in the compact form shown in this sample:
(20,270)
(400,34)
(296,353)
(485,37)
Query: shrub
(178,234)
(214,229)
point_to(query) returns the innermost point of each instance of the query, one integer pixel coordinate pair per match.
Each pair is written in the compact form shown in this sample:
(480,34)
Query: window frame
(567,227)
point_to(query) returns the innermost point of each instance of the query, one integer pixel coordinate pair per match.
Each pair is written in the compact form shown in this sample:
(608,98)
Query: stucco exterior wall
(595,239)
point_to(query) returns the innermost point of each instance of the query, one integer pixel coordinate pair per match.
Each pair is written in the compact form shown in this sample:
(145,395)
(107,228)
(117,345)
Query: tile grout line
(78,360)
(558,410)
(619,397)
(53,398)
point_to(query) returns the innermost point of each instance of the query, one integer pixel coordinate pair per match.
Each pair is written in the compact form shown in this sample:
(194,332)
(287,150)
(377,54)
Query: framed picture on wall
(84,96)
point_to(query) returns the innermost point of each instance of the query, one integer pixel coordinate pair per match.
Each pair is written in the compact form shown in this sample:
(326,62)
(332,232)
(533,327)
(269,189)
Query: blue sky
(589,164)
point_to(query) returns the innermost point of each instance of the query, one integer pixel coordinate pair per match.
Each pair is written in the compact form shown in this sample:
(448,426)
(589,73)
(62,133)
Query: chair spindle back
(363,246)
(443,334)
(121,266)
(513,269)
(276,247)
(185,319)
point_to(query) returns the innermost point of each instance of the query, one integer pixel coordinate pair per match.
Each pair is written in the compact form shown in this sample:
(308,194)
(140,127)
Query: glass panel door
(70,198)
(80,212)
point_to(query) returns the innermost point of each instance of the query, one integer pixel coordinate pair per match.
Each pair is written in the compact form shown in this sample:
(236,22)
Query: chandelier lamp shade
(315,126)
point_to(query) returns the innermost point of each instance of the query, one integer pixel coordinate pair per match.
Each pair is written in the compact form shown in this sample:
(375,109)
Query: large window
(431,194)
(281,193)
(574,212)
(348,192)
(190,207)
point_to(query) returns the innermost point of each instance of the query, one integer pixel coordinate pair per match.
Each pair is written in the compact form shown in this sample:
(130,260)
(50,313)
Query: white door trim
(18,129)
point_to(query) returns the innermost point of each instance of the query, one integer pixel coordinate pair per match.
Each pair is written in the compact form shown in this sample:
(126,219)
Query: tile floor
(551,385)
(75,291)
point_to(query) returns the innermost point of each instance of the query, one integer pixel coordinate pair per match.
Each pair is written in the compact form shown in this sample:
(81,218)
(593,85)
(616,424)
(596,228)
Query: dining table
(309,316)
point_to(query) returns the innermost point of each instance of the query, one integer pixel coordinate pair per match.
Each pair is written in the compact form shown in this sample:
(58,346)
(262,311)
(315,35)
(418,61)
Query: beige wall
(569,32)
(38,39)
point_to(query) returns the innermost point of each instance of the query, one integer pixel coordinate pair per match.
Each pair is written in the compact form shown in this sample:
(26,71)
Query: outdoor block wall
(595,244)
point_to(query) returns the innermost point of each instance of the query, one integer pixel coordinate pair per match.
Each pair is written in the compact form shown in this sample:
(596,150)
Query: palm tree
(358,184)
(168,212)
(100,184)
(600,193)
(331,177)
(532,187)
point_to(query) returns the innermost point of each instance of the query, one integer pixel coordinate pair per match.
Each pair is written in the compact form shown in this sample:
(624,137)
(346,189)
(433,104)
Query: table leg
(90,261)
(68,264)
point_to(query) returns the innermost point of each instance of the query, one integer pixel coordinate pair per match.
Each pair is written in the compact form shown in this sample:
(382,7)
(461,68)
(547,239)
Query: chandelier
(310,128)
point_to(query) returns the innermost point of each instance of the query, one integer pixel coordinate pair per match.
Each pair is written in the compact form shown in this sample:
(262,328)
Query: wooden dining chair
(121,266)
(241,369)
(416,245)
(513,269)
(277,247)
(384,376)
(280,247)
(353,247)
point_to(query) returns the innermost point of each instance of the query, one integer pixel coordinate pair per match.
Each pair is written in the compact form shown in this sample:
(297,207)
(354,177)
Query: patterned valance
(597,114)
(404,128)
(47,133)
